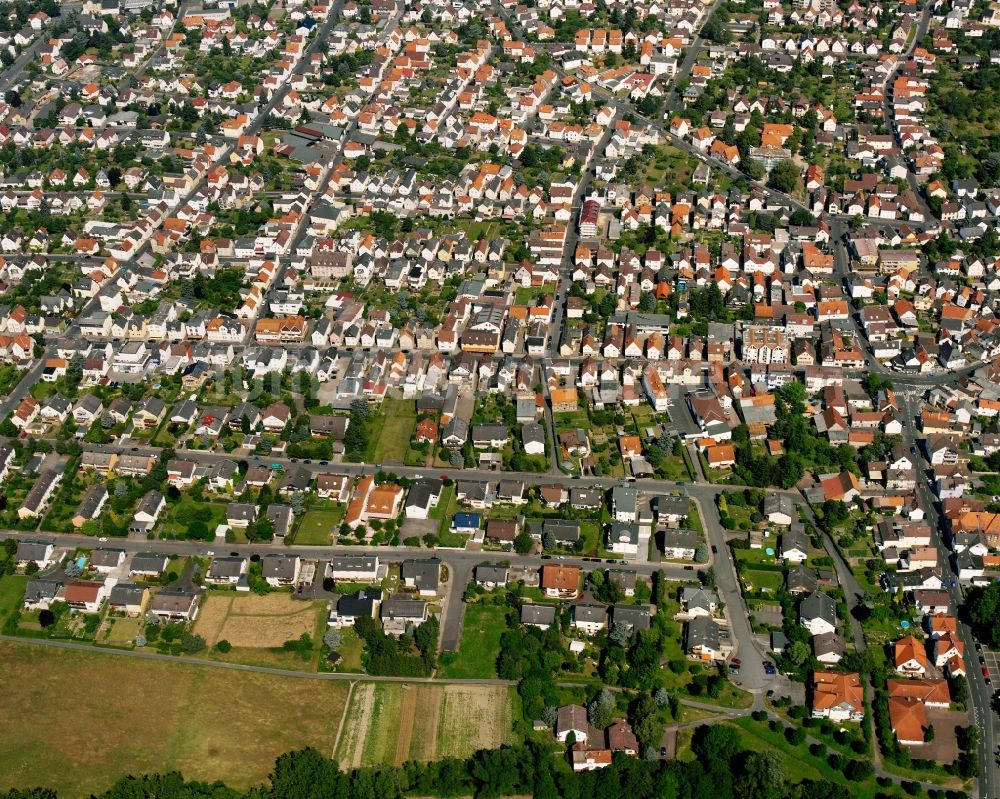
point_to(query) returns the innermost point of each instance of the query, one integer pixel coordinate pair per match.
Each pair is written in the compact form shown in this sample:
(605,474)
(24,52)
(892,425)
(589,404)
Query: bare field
(249,621)
(393,722)
(70,725)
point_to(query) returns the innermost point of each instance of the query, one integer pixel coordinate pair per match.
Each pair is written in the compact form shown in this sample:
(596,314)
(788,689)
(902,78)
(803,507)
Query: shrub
(224,646)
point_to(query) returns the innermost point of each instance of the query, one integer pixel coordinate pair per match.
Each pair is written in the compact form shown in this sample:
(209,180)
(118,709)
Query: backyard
(480,645)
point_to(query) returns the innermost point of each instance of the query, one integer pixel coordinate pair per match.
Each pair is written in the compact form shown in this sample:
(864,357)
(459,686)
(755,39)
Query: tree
(645,721)
(929,734)
(223,646)
(192,643)
(523,543)
(784,177)
(798,652)
(619,633)
(600,711)
(46,618)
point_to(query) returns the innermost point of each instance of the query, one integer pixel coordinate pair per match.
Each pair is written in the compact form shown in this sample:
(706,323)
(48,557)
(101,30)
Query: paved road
(980,693)
(727,584)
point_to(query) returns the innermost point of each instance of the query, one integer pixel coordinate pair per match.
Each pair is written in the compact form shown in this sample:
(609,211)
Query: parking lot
(992,662)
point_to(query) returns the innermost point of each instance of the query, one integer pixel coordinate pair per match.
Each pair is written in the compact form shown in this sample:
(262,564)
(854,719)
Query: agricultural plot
(208,723)
(396,722)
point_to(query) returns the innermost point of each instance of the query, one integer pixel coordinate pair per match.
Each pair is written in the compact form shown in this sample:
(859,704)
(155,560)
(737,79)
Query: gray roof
(106,557)
(354,563)
(702,631)
(279,566)
(537,614)
(819,606)
(425,574)
(590,613)
(485,573)
(149,562)
(403,608)
(638,617)
(126,594)
(694,596)
(32,550)
(795,539)
(226,566)
(40,588)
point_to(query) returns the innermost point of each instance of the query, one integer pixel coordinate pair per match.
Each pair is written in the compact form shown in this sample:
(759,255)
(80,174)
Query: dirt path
(407,714)
(343,720)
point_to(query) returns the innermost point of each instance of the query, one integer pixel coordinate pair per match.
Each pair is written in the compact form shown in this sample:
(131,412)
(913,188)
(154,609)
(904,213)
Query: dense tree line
(408,656)
(722,769)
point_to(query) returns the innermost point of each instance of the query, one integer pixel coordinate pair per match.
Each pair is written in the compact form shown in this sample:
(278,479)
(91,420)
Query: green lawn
(397,426)
(528,294)
(317,526)
(179,515)
(477,653)
(11,594)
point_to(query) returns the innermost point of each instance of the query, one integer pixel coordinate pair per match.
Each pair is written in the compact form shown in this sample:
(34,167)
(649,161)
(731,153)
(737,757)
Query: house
(424,575)
(625,503)
(129,598)
(282,517)
(623,539)
(353,568)
(621,738)
(422,496)
(148,564)
(400,614)
(281,570)
(541,616)
(779,509)
(40,593)
(680,544)
(466,523)
(706,639)
(698,601)
(795,544)
(241,514)
(490,577)
(635,618)
(41,492)
(226,570)
(147,512)
(572,720)
(838,697)
(502,531)
(107,560)
(85,596)
(586,759)
(175,605)
(818,613)
(589,618)
(910,657)
(351,607)
(562,582)
(829,648)
(37,552)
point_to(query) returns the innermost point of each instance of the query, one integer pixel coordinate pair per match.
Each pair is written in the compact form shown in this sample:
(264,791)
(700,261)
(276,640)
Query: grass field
(480,645)
(393,722)
(72,727)
(317,526)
